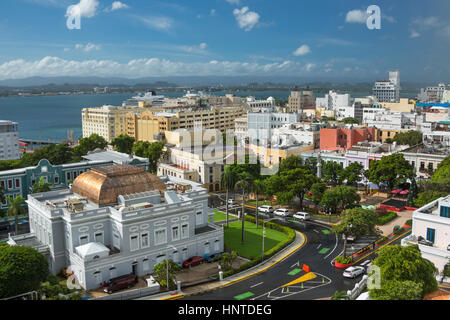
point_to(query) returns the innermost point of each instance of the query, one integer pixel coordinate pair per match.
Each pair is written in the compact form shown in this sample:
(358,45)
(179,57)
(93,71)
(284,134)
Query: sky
(304,38)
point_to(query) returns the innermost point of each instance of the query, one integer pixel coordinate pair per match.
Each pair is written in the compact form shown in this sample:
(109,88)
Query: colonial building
(20,182)
(118,220)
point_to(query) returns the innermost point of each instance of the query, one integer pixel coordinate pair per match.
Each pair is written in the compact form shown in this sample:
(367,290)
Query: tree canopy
(22,269)
(402,264)
(123,143)
(391,171)
(151,151)
(339,198)
(410,138)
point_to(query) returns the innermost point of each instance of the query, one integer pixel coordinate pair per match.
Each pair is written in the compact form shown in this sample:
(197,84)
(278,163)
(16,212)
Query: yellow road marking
(306,277)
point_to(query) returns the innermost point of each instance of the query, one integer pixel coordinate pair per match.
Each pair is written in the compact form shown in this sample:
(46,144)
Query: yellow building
(273,156)
(107,121)
(403,106)
(383,134)
(144,126)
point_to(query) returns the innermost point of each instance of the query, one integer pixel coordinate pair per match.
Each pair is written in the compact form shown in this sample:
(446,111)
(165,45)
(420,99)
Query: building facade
(388,90)
(9,140)
(20,182)
(343,139)
(430,231)
(134,222)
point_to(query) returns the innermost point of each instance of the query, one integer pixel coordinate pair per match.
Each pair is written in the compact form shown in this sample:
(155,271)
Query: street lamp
(264,233)
(167,264)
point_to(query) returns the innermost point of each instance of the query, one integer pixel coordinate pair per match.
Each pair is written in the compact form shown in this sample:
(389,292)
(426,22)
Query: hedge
(385,218)
(269,253)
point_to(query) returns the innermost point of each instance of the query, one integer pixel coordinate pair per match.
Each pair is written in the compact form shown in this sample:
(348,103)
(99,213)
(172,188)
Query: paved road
(321,248)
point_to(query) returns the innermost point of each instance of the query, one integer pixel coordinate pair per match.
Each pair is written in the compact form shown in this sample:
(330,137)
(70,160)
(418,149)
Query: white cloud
(356,16)
(235,2)
(87,8)
(195,49)
(88,47)
(212,13)
(414,34)
(158,23)
(246,19)
(117,5)
(302,50)
(149,67)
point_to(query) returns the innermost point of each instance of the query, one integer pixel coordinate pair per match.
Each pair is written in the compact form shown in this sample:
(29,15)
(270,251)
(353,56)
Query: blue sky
(139,38)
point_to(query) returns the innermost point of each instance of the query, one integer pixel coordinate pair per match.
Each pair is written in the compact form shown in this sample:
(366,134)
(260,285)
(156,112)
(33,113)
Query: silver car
(353,272)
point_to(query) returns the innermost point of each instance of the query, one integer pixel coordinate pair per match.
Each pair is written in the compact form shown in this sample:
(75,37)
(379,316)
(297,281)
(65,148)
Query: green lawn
(260,203)
(252,246)
(222,216)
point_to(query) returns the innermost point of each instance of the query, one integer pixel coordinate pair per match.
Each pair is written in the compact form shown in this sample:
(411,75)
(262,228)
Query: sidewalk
(402,217)
(280,256)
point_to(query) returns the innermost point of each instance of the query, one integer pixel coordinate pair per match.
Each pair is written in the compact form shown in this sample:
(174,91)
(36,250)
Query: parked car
(302,216)
(212,257)
(193,261)
(231,201)
(282,212)
(350,238)
(119,283)
(265,209)
(353,272)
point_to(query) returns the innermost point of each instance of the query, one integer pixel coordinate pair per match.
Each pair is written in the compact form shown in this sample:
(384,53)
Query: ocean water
(49,118)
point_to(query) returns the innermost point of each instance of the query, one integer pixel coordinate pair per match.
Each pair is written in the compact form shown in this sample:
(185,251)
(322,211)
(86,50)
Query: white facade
(307,134)
(262,124)
(9,140)
(431,231)
(388,90)
(334,101)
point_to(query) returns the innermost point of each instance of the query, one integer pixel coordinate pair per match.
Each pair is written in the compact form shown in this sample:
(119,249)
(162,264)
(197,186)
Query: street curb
(292,251)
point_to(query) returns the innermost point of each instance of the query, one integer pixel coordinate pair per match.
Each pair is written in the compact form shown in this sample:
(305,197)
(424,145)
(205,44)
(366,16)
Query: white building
(9,140)
(148,99)
(301,133)
(388,90)
(431,231)
(255,105)
(262,124)
(334,101)
(433,94)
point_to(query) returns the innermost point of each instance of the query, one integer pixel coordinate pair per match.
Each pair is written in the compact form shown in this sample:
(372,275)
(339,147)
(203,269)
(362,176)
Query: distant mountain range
(196,81)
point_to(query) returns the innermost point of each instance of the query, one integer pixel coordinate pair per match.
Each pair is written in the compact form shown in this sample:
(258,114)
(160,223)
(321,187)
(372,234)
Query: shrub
(400,230)
(381,240)
(387,217)
(396,228)
(343,260)
(409,222)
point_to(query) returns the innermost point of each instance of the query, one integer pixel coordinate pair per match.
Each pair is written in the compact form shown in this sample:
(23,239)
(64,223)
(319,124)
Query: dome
(102,185)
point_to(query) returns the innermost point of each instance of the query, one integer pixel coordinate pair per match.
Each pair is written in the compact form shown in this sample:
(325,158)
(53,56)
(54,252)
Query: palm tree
(244,184)
(15,208)
(228,181)
(258,188)
(42,186)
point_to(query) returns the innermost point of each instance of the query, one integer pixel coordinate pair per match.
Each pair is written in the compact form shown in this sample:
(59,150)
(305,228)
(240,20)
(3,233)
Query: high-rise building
(388,90)
(9,140)
(299,99)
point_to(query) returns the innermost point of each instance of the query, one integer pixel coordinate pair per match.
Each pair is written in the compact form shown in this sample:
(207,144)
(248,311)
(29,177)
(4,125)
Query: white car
(265,209)
(231,201)
(353,272)
(302,216)
(282,212)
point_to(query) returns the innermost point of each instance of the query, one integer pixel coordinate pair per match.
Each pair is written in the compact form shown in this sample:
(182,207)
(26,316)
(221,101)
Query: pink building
(344,139)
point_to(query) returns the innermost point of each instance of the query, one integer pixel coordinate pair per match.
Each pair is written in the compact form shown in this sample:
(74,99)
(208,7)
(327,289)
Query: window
(56,180)
(431,233)
(185,231)
(145,243)
(216,245)
(199,218)
(175,233)
(17,183)
(84,239)
(445,212)
(160,236)
(10,184)
(145,265)
(99,237)
(68,176)
(2,183)
(134,244)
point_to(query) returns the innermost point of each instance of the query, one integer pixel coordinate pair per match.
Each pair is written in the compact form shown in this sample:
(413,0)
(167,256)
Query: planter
(406,226)
(381,243)
(360,254)
(342,265)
